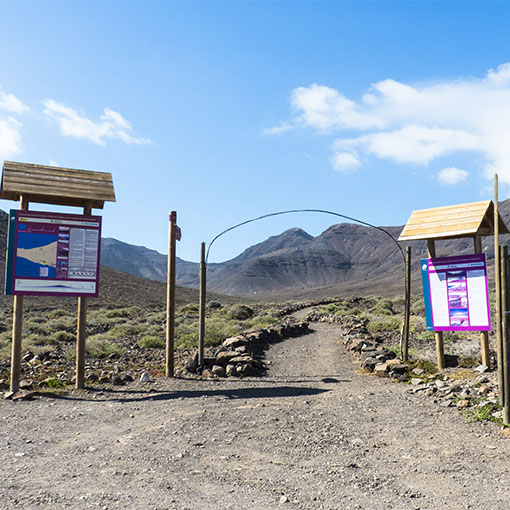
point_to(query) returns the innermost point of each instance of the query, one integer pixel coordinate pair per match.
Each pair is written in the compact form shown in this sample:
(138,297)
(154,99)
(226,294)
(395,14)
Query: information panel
(456,293)
(51,254)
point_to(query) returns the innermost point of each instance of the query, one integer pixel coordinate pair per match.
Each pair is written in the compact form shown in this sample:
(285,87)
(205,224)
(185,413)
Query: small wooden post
(439,334)
(497,278)
(17,326)
(405,348)
(505,361)
(81,330)
(484,335)
(170,296)
(201,333)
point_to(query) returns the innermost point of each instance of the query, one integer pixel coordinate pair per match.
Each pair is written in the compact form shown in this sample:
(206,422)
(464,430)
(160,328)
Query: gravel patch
(313,433)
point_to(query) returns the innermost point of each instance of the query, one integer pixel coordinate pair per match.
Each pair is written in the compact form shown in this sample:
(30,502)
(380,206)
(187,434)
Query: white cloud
(10,137)
(111,125)
(452,175)
(325,108)
(278,130)
(344,161)
(12,103)
(415,123)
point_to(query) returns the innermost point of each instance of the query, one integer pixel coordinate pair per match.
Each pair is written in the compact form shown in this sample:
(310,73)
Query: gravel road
(311,434)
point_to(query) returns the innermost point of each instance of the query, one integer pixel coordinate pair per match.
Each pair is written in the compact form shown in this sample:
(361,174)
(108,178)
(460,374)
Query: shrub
(240,312)
(387,324)
(332,308)
(384,307)
(55,314)
(62,325)
(426,336)
(263,321)
(30,328)
(189,309)
(187,340)
(123,330)
(218,330)
(99,347)
(63,336)
(151,342)
(131,311)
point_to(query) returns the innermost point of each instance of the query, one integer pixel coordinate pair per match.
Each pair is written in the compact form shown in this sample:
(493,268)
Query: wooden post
(17,326)
(201,333)
(505,360)
(405,348)
(438,334)
(170,297)
(81,330)
(497,278)
(484,335)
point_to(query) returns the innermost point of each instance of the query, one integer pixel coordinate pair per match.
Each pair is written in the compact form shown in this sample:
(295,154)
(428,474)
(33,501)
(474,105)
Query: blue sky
(225,111)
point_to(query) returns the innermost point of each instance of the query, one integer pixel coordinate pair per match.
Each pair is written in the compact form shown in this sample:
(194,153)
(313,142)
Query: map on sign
(36,255)
(53,254)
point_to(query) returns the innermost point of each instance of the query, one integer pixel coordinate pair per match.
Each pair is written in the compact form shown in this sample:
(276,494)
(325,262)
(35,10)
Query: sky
(226,111)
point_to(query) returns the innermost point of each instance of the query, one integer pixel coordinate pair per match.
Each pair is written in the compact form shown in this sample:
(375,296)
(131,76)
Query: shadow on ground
(95,395)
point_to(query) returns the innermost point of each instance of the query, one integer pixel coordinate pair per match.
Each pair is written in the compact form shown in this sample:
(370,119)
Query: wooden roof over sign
(462,220)
(56,185)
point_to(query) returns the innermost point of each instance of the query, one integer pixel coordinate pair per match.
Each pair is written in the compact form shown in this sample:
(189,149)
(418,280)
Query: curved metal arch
(299,211)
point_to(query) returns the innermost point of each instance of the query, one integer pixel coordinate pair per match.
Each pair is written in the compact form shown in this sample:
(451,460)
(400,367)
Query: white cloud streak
(414,124)
(10,138)
(111,124)
(451,176)
(345,162)
(12,104)
(10,127)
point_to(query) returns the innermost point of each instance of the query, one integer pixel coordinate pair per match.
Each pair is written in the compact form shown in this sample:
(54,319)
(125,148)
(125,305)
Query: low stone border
(446,391)
(236,355)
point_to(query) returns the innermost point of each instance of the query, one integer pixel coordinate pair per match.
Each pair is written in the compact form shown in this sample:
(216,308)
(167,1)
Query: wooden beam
(441,363)
(17,327)
(484,335)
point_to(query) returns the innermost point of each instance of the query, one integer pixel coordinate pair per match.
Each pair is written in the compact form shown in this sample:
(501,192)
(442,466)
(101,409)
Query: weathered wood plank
(460,220)
(56,185)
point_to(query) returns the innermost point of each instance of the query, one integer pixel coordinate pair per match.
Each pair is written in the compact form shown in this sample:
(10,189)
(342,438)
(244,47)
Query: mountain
(345,258)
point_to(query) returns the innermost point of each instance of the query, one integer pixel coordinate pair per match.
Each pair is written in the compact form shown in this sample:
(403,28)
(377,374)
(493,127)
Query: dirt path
(311,434)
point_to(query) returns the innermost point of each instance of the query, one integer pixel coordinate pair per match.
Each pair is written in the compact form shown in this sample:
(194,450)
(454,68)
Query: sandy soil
(311,434)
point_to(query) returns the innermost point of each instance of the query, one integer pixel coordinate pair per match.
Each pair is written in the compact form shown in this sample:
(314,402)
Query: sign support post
(441,364)
(81,330)
(484,335)
(17,326)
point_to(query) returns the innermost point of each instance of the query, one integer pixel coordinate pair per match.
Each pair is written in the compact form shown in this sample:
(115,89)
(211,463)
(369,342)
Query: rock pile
(238,356)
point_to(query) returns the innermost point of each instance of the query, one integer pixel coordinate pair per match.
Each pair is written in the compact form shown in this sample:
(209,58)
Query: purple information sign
(459,295)
(53,254)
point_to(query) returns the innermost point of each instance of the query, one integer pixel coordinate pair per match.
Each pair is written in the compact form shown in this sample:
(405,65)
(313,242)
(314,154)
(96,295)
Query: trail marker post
(170,295)
(405,339)
(65,187)
(201,332)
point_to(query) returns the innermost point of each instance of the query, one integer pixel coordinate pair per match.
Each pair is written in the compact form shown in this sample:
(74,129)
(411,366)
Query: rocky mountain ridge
(346,257)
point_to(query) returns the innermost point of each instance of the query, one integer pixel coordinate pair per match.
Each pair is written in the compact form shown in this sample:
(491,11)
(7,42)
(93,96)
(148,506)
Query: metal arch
(304,210)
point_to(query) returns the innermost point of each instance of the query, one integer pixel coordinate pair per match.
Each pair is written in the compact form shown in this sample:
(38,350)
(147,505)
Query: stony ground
(313,433)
